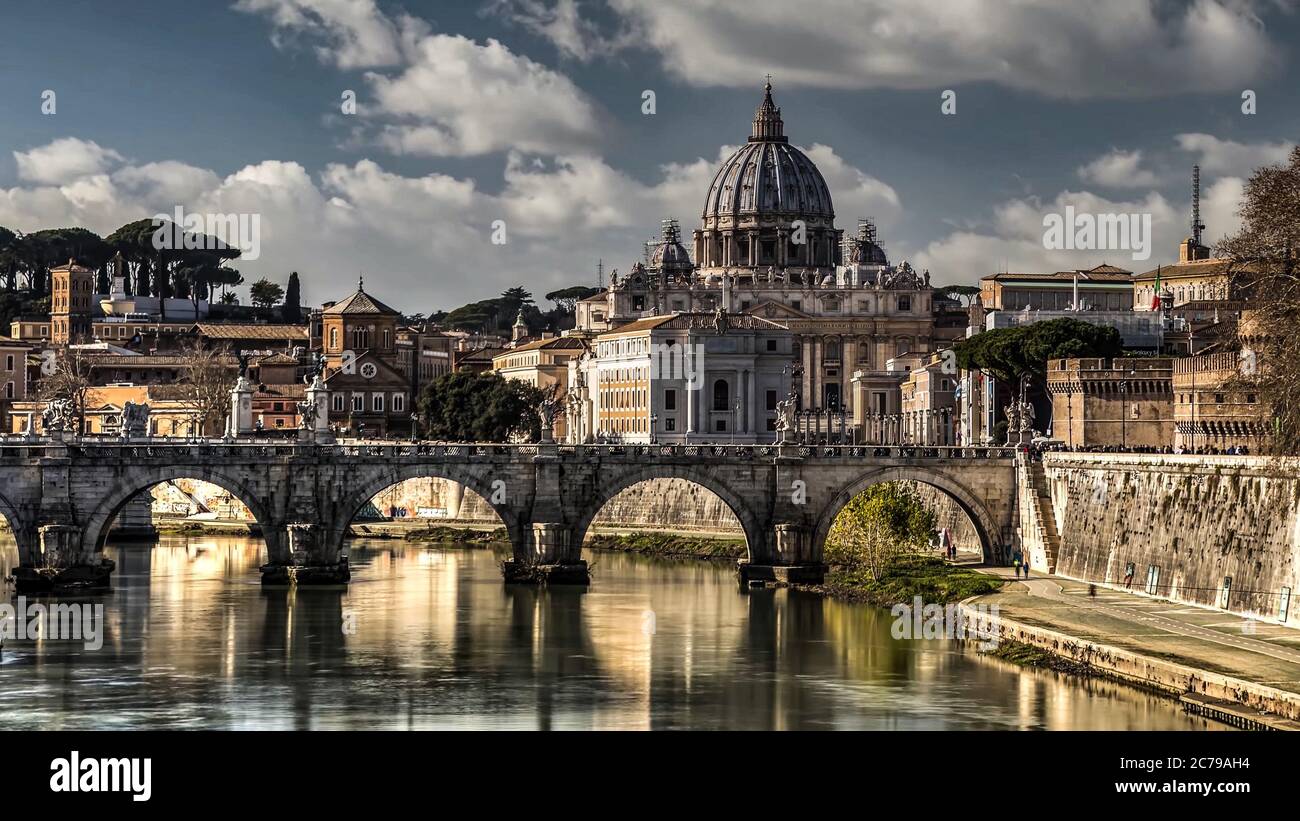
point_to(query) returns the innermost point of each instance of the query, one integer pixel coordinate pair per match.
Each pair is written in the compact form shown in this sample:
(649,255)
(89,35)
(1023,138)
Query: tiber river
(430,638)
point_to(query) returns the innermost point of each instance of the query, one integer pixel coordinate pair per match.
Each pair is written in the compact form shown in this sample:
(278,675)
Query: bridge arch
(352,503)
(612,484)
(986,526)
(19,528)
(139,479)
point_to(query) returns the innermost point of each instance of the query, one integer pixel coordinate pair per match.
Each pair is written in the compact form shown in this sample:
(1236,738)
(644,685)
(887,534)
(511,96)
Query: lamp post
(415,427)
(654,426)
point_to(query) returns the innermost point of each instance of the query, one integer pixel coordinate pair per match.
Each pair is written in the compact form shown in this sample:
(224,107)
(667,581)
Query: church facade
(768,247)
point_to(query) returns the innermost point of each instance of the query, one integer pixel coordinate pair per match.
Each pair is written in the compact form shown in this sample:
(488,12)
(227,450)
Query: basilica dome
(768,177)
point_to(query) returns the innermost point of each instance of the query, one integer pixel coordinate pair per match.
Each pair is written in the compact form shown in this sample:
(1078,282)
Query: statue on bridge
(546,413)
(135,419)
(306,414)
(785,410)
(59,415)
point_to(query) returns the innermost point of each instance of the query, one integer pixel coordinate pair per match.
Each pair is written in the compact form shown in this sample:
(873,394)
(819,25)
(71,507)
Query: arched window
(721,395)
(334,339)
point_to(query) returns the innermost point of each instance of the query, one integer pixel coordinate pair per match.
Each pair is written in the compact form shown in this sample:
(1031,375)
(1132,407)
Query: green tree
(1009,353)
(1266,274)
(878,526)
(292,311)
(468,407)
(265,293)
(566,299)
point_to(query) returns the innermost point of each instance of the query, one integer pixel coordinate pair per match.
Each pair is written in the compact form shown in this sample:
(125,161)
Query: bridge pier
(552,557)
(310,559)
(135,522)
(62,562)
(794,558)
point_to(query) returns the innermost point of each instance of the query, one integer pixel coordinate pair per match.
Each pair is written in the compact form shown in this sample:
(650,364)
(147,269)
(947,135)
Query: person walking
(1015,560)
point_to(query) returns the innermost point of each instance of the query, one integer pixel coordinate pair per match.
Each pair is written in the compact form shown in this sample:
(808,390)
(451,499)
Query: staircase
(1042,520)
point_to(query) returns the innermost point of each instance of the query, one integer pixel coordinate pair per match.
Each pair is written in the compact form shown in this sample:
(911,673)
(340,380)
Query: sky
(508,142)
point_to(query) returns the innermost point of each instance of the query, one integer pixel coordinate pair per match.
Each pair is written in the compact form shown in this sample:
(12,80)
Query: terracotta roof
(1200,267)
(277,359)
(147,360)
(482,354)
(291,391)
(221,330)
(697,320)
(360,303)
(557,342)
(1102,273)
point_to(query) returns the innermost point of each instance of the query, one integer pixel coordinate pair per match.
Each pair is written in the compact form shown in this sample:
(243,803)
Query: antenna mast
(1197,226)
(600,273)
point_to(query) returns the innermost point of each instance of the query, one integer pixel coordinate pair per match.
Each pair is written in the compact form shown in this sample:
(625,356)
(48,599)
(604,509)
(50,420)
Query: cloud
(458,97)
(563,24)
(1118,169)
(356,33)
(64,160)
(1104,48)
(440,95)
(1014,239)
(1228,158)
(427,238)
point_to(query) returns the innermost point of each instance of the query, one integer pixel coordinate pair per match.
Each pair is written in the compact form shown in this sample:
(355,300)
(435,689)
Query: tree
(70,380)
(265,293)
(292,311)
(968,293)
(469,407)
(205,388)
(878,526)
(567,299)
(1009,353)
(1266,274)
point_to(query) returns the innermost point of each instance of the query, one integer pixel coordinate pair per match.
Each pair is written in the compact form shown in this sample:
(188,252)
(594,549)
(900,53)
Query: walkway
(1258,651)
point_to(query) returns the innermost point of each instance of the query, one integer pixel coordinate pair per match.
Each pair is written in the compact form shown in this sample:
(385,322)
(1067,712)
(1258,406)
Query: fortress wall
(1197,520)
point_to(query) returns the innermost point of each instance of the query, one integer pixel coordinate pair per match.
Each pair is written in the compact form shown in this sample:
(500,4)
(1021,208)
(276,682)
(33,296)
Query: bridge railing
(22,447)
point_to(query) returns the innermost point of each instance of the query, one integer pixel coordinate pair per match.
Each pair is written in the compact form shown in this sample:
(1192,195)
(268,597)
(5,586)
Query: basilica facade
(768,247)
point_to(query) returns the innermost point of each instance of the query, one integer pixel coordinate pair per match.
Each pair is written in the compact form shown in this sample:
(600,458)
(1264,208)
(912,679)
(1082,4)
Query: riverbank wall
(1241,703)
(1213,531)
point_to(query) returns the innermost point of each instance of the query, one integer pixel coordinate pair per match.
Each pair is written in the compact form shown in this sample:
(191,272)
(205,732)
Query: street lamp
(415,427)
(654,426)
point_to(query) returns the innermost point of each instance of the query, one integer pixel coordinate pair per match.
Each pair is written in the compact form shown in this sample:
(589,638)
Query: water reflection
(431,638)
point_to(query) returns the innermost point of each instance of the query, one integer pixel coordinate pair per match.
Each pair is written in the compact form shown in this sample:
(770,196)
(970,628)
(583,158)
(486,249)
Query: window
(9,362)
(1218,399)
(771,345)
(399,402)
(720,426)
(358,402)
(670,423)
(338,402)
(1153,580)
(771,423)
(377,403)
(721,396)
(334,339)
(797,304)
(771,400)
(670,399)
(904,303)
(9,390)
(1250,398)
(279,423)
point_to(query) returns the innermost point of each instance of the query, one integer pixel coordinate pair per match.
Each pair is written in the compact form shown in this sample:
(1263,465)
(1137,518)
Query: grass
(929,577)
(442,534)
(668,544)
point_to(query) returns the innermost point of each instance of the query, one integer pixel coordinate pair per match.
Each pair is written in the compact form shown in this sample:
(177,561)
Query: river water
(427,638)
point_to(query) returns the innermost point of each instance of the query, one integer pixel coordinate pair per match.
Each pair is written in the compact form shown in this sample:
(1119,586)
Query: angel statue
(306,414)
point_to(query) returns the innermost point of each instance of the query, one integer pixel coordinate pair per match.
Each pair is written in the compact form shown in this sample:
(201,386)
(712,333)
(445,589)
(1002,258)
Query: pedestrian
(1015,560)
(1026,568)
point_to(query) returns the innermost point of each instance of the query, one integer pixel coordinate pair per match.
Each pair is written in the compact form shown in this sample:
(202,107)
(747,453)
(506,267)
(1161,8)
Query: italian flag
(1155,298)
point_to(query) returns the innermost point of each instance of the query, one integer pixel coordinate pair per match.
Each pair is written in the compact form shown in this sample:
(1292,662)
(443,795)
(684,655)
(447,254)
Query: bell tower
(72,289)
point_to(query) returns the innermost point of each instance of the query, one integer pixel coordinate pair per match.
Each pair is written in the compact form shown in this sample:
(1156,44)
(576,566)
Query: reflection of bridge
(61,497)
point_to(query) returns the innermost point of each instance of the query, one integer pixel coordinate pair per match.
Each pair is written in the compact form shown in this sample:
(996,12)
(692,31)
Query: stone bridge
(61,497)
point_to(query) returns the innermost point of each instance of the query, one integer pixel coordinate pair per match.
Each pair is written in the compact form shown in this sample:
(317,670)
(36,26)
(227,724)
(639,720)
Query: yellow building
(542,363)
(169,412)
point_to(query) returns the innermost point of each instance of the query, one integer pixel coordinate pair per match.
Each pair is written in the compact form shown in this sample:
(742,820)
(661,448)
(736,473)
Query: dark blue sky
(204,84)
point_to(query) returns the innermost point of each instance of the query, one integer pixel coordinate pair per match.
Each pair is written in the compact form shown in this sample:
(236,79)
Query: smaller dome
(669,255)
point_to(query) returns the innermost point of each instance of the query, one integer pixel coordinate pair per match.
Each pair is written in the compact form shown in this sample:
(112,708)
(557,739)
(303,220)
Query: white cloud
(64,160)
(1229,158)
(458,97)
(357,34)
(1118,169)
(563,23)
(1104,48)
(425,239)
(1014,239)
(442,95)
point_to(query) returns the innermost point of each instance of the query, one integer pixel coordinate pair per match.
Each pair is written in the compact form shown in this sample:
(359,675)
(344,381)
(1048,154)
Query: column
(314,557)
(750,411)
(806,389)
(62,561)
(819,354)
